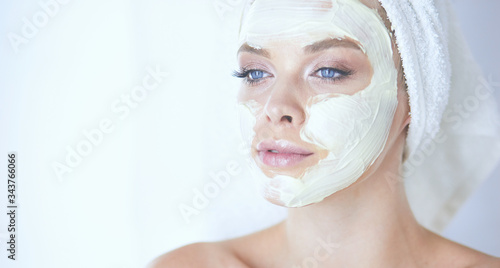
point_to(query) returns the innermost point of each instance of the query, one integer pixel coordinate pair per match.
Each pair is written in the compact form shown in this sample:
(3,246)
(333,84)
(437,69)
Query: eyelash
(342,74)
(244,74)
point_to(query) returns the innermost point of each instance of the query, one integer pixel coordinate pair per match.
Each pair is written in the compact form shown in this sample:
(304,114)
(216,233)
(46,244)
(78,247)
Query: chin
(281,204)
(276,202)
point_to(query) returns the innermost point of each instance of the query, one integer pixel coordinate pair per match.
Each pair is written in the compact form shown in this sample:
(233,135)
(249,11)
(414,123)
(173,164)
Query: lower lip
(280,159)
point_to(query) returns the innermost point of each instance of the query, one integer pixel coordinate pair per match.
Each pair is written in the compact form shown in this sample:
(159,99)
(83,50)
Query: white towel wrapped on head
(453,143)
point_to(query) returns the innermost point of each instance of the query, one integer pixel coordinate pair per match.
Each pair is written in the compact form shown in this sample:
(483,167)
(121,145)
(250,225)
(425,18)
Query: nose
(283,107)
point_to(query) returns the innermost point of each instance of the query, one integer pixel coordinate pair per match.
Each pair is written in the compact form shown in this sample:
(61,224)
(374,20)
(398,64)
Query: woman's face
(282,78)
(314,130)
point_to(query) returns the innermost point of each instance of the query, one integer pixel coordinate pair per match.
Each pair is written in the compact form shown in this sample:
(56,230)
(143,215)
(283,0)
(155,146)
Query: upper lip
(282,146)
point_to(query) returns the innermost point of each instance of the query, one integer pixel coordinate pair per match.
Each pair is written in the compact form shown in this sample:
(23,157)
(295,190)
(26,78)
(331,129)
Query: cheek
(337,123)
(240,97)
(246,113)
(243,94)
(255,95)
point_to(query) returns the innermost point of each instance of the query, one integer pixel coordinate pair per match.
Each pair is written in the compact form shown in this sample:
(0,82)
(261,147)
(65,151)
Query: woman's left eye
(330,73)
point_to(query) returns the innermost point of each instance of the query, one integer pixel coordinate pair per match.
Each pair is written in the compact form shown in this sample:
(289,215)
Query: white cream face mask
(353,128)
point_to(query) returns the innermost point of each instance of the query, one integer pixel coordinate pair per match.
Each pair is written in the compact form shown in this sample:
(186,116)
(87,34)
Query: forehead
(376,5)
(309,21)
(327,4)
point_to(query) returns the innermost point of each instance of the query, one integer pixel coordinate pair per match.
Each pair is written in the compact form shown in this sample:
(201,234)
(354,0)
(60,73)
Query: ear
(408,120)
(405,127)
(406,123)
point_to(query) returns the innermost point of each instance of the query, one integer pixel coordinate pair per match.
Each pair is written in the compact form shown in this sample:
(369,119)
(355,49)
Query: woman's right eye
(251,76)
(255,74)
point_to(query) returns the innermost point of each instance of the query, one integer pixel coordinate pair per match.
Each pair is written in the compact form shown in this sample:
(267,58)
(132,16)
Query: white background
(119,206)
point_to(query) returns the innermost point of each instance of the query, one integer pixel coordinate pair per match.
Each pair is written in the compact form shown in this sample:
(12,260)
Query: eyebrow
(313,48)
(330,43)
(247,48)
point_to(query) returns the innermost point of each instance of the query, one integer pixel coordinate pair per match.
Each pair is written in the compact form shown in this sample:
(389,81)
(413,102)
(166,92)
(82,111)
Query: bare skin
(368,224)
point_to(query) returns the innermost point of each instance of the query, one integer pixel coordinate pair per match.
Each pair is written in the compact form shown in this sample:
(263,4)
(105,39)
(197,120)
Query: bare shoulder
(476,259)
(247,251)
(203,254)
(489,261)
(452,254)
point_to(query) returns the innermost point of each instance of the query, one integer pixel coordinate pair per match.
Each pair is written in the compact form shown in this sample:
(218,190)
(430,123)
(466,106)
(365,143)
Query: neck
(368,224)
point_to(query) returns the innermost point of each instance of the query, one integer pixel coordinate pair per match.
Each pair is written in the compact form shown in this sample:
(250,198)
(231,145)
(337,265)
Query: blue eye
(256,74)
(251,76)
(329,73)
(332,74)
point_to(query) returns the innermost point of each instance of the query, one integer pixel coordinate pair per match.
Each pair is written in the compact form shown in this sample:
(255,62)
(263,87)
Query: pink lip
(281,153)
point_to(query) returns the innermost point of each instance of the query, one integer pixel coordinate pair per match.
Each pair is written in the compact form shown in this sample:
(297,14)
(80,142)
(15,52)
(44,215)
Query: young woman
(326,102)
